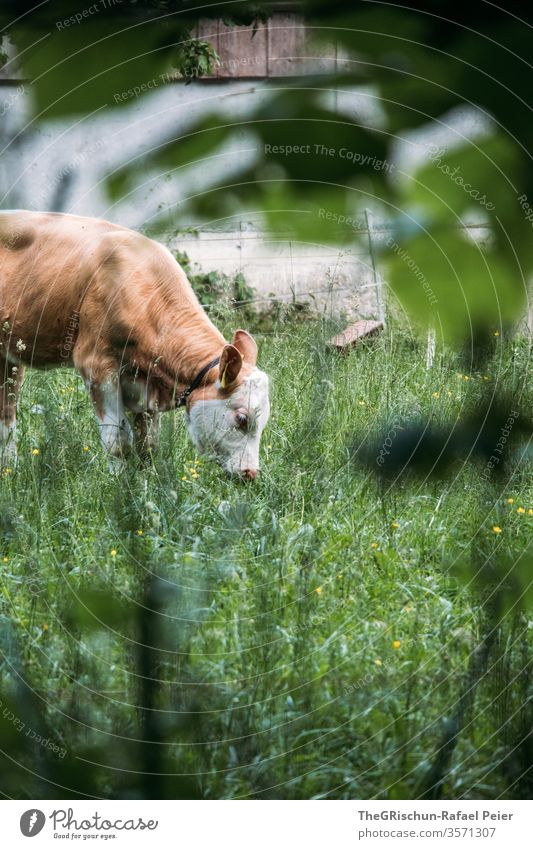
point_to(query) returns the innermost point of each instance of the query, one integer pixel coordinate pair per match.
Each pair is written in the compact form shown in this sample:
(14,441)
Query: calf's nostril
(249,474)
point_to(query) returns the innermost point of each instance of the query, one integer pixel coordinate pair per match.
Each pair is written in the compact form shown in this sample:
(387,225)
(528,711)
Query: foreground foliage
(169,633)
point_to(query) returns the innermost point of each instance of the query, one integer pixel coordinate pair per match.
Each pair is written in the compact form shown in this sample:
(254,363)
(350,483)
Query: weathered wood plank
(242,54)
(282,47)
(354,333)
(293,51)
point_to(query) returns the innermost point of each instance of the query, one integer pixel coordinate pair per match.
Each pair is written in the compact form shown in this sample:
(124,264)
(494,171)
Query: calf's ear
(247,345)
(230,365)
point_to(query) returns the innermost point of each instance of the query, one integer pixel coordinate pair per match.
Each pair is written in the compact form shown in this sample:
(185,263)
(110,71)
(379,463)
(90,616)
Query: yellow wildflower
(378,662)
(35,451)
(496,529)
(520,509)
(318,590)
(113,552)
(374,545)
(510,501)
(396,644)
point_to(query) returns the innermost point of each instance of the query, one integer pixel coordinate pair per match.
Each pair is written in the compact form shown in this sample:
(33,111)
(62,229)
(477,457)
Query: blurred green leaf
(448,283)
(98,63)
(482,176)
(312,142)
(508,580)
(94,609)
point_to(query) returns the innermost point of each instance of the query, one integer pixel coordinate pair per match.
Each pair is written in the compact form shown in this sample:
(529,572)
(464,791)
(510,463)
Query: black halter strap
(182,398)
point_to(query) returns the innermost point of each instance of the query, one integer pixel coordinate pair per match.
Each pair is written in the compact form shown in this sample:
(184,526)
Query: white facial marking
(218,427)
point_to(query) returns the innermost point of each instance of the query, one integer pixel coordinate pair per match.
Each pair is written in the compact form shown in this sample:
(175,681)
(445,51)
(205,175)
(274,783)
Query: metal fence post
(378,283)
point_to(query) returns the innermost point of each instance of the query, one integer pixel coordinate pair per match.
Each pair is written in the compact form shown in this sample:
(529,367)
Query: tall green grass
(311,635)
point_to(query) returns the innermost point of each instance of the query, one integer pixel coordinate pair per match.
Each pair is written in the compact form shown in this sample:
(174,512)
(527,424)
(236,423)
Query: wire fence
(368,256)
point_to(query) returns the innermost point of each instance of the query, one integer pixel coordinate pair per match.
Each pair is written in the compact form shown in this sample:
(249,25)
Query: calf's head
(226,420)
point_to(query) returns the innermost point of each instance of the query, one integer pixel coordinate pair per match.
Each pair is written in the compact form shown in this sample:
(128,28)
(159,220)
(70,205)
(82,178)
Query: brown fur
(85,292)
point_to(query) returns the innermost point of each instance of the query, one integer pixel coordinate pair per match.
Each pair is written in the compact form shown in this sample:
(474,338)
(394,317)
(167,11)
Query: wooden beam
(354,333)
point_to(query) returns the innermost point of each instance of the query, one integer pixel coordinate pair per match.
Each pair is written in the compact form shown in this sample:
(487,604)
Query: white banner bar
(267,824)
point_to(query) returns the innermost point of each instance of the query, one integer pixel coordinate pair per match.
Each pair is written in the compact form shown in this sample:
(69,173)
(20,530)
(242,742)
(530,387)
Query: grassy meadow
(167,632)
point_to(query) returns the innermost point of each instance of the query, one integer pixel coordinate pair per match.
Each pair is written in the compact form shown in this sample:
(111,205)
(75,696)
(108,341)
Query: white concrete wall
(329,279)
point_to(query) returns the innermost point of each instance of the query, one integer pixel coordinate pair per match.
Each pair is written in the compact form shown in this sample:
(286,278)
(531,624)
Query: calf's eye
(241,419)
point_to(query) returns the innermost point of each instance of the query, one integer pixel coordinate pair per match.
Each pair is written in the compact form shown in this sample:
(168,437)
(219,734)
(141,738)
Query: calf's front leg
(115,429)
(10,381)
(100,371)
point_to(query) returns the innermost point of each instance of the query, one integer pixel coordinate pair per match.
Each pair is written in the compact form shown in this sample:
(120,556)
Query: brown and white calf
(116,305)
